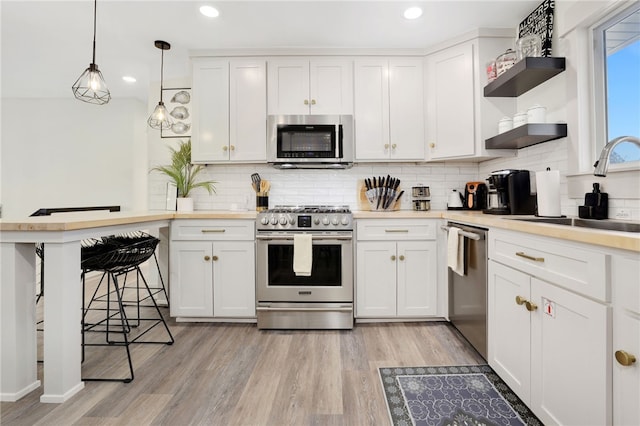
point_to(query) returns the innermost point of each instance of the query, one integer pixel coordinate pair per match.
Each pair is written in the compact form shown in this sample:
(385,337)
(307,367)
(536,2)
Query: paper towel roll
(548,187)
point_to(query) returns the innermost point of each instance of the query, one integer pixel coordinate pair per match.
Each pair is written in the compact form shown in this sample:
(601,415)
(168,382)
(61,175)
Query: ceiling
(47,44)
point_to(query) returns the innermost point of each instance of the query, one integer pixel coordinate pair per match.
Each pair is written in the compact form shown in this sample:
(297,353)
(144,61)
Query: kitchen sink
(608,225)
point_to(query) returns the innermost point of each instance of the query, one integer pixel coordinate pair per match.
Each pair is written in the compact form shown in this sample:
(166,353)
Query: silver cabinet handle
(526,256)
(397,230)
(211,231)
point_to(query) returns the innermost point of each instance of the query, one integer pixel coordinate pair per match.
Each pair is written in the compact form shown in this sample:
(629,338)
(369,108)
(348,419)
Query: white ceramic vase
(185,204)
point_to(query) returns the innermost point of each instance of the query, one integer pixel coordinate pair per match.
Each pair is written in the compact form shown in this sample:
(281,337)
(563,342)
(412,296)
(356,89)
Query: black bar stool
(117,257)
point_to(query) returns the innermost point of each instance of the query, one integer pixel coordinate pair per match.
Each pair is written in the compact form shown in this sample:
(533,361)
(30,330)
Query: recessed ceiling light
(209,11)
(129,79)
(413,13)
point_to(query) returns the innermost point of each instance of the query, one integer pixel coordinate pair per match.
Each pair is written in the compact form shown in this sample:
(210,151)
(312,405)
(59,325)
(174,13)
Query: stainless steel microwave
(310,141)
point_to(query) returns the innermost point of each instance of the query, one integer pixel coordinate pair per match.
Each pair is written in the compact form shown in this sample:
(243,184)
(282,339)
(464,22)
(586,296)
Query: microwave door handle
(340,136)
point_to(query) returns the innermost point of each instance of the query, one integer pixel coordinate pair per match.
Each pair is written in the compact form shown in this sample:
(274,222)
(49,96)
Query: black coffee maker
(510,192)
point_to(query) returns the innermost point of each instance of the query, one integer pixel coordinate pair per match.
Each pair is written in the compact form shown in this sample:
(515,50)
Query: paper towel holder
(546,206)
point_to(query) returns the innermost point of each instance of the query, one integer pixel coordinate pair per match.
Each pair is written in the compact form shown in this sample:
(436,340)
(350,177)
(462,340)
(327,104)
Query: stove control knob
(335,220)
(345,220)
(264,220)
(316,220)
(292,220)
(274,220)
(325,220)
(283,220)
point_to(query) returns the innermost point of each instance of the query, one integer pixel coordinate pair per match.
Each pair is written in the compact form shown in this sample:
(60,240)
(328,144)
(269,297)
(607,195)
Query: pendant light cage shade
(90,87)
(160,118)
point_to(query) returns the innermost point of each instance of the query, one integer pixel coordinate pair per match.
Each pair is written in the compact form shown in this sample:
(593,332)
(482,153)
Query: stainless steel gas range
(320,299)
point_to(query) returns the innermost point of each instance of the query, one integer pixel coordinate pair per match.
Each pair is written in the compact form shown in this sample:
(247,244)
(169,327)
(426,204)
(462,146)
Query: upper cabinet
(389,109)
(301,86)
(229,110)
(459,118)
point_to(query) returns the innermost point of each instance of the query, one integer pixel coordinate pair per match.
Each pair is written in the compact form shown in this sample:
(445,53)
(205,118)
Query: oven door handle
(306,309)
(314,237)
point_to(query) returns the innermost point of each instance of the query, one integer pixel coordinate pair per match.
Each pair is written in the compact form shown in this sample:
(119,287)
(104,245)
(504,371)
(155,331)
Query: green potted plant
(184,175)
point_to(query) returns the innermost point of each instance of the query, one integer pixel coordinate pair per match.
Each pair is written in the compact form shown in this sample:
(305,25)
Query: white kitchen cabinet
(229,110)
(212,269)
(396,273)
(547,341)
(459,117)
(626,339)
(389,109)
(301,86)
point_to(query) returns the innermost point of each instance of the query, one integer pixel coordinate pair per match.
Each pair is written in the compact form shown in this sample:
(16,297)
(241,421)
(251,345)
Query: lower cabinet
(549,344)
(396,269)
(212,275)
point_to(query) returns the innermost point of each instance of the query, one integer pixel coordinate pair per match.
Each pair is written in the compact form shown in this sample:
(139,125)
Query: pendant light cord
(161,73)
(95,7)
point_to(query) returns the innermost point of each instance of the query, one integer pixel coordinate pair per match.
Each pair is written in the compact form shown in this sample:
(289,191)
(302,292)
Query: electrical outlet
(623,214)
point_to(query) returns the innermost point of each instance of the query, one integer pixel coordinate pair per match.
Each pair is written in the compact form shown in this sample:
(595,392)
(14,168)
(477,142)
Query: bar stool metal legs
(120,318)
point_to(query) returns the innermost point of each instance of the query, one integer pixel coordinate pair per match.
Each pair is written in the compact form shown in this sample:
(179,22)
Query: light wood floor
(234,374)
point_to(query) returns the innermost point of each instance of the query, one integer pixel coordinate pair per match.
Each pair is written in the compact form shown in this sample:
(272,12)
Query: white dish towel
(455,251)
(302,255)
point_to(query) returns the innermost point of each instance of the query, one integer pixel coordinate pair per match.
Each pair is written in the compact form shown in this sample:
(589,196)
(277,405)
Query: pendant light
(90,87)
(160,118)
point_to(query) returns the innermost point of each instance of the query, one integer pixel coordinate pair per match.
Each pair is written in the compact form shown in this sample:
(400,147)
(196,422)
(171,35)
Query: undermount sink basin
(608,225)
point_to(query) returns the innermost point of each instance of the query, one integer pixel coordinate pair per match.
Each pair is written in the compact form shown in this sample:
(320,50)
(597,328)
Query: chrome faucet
(603,162)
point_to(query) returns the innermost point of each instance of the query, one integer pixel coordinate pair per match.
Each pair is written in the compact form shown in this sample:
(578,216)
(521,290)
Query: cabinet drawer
(222,230)
(395,229)
(571,266)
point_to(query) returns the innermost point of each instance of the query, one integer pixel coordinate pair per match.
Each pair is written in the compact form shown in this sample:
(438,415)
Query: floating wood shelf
(527,135)
(523,76)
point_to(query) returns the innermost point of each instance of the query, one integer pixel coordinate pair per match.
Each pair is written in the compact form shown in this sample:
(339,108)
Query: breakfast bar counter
(62,235)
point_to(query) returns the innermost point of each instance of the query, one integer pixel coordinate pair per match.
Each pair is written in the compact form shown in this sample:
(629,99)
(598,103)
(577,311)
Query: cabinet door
(417,286)
(406,109)
(509,348)
(234,279)
(569,379)
(210,128)
(626,338)
(331,87)
(191,279)
(288,86)
(450,105)
(371,83)
(626,378)
(376,279)
(247,110)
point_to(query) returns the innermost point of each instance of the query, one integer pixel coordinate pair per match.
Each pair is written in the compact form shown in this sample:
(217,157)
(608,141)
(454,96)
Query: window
(617,67)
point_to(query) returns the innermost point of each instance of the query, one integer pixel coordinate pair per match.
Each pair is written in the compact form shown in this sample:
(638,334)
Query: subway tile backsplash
(342,187)
(333,187)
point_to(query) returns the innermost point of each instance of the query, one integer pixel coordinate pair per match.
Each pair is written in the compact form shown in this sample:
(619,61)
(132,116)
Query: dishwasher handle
(466,234)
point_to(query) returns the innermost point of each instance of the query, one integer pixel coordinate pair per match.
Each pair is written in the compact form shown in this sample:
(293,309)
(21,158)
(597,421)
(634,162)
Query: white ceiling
(47,44)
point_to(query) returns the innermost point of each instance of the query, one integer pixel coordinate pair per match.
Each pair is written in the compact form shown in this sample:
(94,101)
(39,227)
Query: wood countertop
(86,220)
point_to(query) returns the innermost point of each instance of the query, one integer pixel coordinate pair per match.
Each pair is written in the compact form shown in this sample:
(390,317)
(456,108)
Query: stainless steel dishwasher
(468,293)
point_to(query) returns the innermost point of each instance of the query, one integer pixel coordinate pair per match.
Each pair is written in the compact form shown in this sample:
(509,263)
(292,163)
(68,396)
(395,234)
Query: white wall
(65,153)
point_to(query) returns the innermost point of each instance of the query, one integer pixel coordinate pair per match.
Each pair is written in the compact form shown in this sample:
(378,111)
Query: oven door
(331,278)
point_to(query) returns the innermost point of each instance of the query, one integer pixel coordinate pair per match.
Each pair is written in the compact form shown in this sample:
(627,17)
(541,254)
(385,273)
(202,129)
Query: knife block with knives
(380,193)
